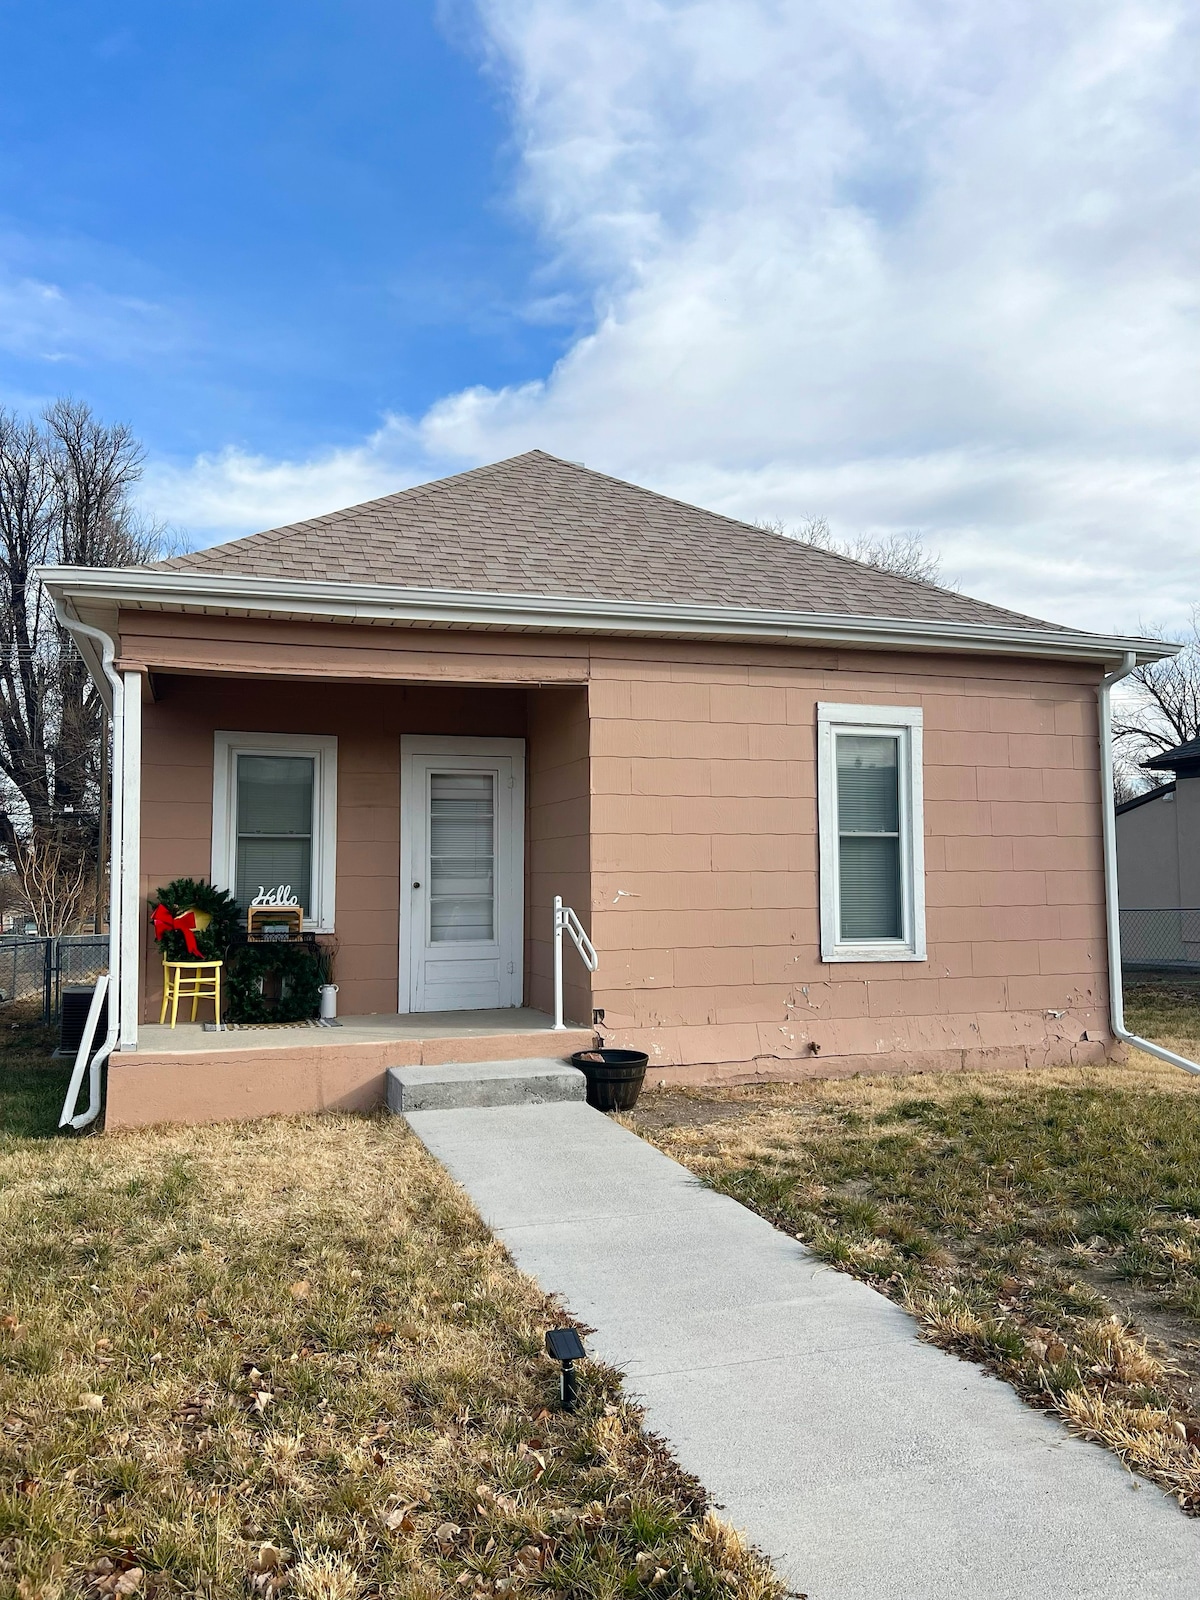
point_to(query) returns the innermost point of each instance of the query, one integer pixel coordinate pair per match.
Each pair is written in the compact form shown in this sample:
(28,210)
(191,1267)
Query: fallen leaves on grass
(389,1435)
(267,1570)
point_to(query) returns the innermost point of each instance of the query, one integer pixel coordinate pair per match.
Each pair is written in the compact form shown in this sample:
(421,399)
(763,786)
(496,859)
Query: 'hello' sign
(281,896)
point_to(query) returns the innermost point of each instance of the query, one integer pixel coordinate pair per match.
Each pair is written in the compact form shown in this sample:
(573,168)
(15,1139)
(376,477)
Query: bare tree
(54,878)
(1158,705)
(65,486)
(1128,782)
(902,553)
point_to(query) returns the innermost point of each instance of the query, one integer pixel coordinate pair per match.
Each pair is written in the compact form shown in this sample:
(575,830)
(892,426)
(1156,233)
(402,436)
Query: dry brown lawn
(1046,1224)
(286,1358)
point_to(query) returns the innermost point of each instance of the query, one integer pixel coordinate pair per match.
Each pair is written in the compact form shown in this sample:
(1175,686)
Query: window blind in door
(462,857)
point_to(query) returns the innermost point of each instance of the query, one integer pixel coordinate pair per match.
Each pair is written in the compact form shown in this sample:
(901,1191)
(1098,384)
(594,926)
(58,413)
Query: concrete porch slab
(423,1027)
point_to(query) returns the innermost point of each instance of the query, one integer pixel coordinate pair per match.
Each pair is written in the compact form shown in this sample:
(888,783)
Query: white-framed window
(275,818)
(871,833)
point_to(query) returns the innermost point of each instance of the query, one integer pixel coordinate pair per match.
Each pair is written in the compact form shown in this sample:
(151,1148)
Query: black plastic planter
(614,1077)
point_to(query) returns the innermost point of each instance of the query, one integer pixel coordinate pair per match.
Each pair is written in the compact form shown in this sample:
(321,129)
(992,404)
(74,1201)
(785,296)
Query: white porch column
(131,861)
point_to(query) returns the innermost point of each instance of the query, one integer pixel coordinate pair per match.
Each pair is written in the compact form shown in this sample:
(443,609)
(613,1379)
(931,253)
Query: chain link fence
(35,970)
(1161,939)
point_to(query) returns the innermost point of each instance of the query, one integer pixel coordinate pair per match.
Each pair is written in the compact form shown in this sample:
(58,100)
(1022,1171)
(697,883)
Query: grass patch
(33,1084)
(286,1358)
(1164,1007)
(1046,1225)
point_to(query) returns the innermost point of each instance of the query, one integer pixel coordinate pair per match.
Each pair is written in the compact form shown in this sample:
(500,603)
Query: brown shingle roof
(536,525)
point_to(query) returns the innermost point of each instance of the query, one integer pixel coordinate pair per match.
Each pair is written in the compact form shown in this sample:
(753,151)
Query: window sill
(873,952)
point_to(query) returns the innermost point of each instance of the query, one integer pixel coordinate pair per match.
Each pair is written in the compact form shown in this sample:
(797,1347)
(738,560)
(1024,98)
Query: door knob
(416,885)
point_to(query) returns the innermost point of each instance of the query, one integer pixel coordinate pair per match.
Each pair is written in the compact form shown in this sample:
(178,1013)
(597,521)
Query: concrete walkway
(869,1466)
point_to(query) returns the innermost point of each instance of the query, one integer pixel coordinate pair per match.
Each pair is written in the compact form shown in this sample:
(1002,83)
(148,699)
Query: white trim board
(226,594)
(906,722)
(128,997)
(323,747)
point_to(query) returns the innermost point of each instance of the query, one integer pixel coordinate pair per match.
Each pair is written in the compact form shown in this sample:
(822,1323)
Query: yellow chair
(190,980)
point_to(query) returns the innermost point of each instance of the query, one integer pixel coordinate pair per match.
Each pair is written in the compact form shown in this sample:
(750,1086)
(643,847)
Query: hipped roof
(539,526)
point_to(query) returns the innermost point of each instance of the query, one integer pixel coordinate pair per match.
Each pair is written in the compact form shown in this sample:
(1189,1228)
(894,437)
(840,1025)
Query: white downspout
(116,832)
(1108,816)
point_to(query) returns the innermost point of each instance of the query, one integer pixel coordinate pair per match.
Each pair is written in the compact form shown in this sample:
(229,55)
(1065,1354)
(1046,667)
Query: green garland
(300,983)
(196,894)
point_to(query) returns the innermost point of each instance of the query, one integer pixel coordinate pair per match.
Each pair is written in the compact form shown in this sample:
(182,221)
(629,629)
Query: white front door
(462,855)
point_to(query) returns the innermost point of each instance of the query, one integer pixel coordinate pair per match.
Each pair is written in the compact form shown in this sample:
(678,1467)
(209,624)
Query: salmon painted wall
(558,843)
(705,873)
(368,719)
(672,793)
(326,652)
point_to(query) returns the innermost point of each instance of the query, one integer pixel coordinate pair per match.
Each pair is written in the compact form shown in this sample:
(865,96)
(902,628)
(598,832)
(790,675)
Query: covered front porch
(440,931)
(191,1074)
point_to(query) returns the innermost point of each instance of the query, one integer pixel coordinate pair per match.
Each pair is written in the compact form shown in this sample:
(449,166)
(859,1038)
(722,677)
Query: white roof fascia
(336,601)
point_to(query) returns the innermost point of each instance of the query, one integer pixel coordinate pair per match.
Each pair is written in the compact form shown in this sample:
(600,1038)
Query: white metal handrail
(565,918)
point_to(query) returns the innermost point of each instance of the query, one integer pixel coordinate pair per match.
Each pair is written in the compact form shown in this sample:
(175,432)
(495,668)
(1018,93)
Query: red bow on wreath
(185,923)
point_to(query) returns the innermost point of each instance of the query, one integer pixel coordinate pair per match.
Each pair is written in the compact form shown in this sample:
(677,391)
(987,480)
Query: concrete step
(462,1085)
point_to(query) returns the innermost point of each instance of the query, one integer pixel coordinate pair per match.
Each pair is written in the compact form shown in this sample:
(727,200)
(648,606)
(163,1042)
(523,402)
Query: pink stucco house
(816,818)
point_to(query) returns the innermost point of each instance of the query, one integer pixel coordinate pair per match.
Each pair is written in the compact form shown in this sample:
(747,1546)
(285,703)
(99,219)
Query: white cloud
(233,492)
(39,320)
(905,264)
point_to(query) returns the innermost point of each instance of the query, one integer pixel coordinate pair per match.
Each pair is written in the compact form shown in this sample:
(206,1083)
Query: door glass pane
(274,826)
(869,862)
(462,857)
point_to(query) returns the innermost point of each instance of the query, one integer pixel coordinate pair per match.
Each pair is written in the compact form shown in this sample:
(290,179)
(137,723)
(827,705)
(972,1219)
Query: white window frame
(906,724)
(319,918)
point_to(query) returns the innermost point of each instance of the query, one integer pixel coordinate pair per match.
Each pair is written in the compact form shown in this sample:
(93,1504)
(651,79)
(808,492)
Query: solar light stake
(569,1390)
(565,1345)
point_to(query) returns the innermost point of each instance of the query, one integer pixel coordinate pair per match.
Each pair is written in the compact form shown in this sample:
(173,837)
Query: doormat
(267,1027)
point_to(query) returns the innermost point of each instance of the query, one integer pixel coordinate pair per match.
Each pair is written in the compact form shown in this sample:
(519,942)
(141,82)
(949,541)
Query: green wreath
(196,894)
(300,983)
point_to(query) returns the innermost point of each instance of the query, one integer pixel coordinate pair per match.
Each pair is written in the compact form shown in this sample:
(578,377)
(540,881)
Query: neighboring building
(817,818)
(1158,864)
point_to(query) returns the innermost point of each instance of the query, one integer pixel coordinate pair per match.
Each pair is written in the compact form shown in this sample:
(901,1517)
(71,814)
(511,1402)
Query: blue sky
(909,265)
(270,223)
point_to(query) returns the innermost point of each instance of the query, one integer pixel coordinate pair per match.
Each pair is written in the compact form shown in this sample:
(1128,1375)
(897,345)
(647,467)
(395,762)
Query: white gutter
(335,601)
(1108,818)
(69,1117)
